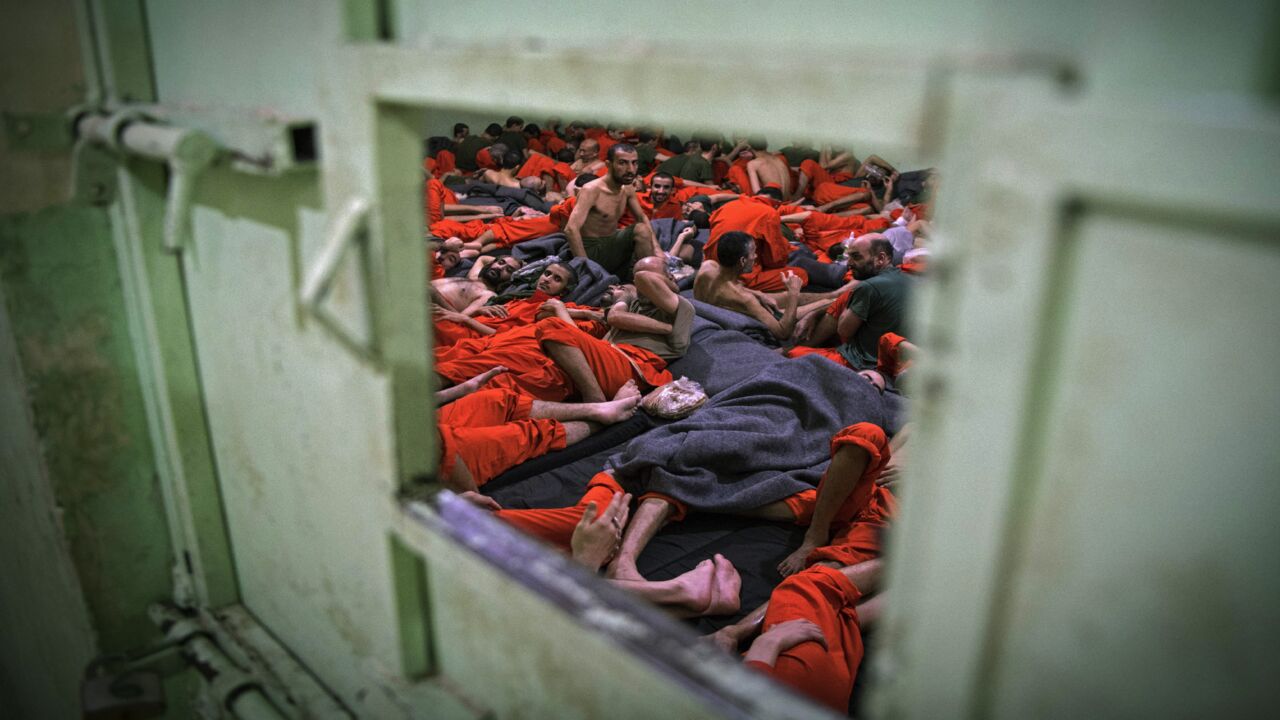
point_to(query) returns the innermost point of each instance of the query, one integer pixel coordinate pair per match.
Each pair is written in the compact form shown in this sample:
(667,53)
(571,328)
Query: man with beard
(592,229)
(485,279)
(877,305)
(586,159)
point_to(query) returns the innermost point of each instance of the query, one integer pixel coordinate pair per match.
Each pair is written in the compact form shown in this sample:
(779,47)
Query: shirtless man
(505,175)
(592,229)
(719,282)
(587,158)
(468,295)
(766,168)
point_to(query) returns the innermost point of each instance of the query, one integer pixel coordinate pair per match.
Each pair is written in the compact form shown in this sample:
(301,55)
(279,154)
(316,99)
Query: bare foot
(628,389)
(726,588)
(794,562)
(623,571)
(617,410)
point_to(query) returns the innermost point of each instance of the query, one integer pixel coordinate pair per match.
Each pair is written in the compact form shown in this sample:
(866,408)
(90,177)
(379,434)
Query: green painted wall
(63,293)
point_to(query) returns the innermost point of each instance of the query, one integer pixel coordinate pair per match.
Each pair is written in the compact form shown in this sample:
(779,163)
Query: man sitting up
(719,282)
(877,305)
(592,229)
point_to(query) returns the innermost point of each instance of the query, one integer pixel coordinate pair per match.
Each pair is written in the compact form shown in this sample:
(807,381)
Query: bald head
(867,255)
(651,263)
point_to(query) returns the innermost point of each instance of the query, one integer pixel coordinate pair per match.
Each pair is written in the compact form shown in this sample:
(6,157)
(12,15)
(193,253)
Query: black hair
(733,247)
(572,282)
(514,120)
(881,245)
(532,130)
(497,150)
(494,129)
(706,143)
(644,136)
(510,159)
(758,143)
(565,155)
(666,175)
(585,178)
(774,193)
(618,148)
(458,128)
(701,219)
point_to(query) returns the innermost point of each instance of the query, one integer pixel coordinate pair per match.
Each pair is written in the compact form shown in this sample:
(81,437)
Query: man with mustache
(592,229)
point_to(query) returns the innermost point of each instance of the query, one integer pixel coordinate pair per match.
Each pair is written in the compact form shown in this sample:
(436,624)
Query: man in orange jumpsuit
(759,219)
(827,576)
(554,359)
(484,433)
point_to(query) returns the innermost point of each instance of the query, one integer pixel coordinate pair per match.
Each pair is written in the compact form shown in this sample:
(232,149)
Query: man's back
(514,140)
(467,150)
(881,302)
(771,169)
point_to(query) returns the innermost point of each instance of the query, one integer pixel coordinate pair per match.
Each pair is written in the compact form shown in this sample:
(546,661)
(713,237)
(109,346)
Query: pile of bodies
(577,270)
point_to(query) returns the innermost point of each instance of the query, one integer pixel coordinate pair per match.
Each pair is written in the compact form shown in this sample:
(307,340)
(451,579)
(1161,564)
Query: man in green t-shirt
(472,144)
(695,164)
(513,135)
(878,304)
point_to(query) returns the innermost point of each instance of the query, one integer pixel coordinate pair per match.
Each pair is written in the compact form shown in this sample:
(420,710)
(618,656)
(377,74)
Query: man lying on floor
(485,432)
(812,637)
(558,278)
(554,359)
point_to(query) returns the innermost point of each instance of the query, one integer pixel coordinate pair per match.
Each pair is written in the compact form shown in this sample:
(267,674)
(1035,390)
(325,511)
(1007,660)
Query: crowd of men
(822,248)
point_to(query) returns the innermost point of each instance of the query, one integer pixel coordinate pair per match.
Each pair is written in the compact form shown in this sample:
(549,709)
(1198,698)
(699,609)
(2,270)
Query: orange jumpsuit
(485,161)
(825,597)
(435,196)
(823,186)
(738,175)
(757,218)
(533,373)
(520,312)
(822,230)
(466,231)
(491,432)
(556,525)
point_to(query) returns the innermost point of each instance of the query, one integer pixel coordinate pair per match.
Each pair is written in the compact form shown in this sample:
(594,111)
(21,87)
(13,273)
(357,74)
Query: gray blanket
(759,441)
(733,320)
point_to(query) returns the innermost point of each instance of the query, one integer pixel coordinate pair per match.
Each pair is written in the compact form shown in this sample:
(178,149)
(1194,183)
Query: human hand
(781,638)
(449,315)
(792,282)
(598,534)
(493,311)
(484,502)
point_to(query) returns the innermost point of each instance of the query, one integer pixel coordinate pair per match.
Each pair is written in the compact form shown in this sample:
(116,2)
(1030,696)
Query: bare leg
(870,610)
(652,514)
(460,480)
(777,511)
(846,467)
(646,243)
(574,364)
(712,588)
(622,406)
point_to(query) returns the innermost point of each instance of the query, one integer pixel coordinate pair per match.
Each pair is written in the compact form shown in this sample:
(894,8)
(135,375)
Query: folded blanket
(479,193)
(759,441)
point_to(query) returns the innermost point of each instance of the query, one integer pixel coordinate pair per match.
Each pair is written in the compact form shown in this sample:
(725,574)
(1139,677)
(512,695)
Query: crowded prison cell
(684,361)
